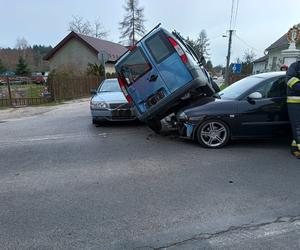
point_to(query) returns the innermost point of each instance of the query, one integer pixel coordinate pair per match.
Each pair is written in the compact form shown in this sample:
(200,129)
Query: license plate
(155,99)
(123,113)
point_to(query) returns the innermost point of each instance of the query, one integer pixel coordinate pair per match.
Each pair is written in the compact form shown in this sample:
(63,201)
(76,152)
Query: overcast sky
(258,22)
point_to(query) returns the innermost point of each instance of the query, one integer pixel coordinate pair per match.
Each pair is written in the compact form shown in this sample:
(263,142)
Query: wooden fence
(62,88)
(26,101)
(233,77)
(22,91)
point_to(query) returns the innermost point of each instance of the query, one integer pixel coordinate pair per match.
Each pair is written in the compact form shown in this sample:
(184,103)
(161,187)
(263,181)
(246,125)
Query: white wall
(259,67)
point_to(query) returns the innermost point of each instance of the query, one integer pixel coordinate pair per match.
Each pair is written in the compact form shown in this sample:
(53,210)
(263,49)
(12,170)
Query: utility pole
(228,57)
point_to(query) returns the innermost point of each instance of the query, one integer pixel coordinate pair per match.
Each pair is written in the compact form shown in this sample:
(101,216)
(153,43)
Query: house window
(274,61)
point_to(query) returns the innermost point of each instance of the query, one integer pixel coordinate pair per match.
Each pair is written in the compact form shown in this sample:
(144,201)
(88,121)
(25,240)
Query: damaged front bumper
(186,129)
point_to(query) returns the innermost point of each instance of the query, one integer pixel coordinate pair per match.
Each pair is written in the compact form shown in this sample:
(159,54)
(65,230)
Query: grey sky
(259,22)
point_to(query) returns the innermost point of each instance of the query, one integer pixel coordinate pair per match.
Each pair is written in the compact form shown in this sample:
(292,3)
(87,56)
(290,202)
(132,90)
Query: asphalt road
(66,184)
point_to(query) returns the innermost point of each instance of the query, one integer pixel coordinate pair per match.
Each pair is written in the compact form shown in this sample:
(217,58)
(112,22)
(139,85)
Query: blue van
(160,74)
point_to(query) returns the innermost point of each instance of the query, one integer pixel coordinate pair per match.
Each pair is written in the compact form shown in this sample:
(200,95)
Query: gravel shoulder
(28,111)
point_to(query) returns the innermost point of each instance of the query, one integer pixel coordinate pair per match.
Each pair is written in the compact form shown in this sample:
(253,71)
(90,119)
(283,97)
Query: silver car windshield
(109,86)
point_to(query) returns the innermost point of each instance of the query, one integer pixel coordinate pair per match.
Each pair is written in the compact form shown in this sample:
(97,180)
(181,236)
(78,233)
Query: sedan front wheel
(213,134)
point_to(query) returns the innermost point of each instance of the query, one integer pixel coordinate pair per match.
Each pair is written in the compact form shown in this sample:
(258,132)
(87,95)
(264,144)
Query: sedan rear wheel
(213,134)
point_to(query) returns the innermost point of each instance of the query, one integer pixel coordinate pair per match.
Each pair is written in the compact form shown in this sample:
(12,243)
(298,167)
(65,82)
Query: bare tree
(133,22)
(84,26)
(200,45)
(203,43)
(247,64)
(238,60)
(98,30)
(249,56)
(22,43)
(79,25)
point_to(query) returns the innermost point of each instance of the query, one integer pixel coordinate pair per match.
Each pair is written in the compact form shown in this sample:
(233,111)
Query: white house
(274,58)
(260,65)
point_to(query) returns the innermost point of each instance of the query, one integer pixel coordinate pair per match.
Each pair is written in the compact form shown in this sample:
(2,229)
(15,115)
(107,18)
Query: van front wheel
(155,125)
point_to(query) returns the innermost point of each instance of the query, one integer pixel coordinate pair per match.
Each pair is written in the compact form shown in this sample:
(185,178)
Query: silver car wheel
(213,134)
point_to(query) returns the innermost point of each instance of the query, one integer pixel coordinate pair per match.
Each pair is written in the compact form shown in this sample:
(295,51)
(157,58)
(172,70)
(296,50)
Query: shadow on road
(279,142)
(119,124)
(172,134)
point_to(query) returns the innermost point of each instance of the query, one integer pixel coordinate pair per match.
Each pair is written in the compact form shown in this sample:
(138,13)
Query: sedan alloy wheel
(213,134)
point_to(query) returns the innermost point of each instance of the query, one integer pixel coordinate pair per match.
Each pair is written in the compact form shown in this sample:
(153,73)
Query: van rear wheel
(155,125)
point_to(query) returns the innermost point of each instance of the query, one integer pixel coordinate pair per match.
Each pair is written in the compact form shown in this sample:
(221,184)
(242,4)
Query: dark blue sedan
(254,107)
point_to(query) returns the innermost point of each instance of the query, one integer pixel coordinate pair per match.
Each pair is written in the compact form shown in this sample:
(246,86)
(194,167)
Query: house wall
(110,68)
(259,67)
(75,55)
(275,59)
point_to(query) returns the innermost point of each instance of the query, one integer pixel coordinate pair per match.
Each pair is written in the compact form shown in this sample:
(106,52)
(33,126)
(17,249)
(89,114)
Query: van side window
(159,47)
(134,66)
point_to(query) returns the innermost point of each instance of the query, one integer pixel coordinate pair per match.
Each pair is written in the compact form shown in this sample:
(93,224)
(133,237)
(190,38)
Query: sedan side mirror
(255,96)
(93,92)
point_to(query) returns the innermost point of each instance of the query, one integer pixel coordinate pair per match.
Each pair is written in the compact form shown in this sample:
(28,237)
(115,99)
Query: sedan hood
(110,97)
(206,104)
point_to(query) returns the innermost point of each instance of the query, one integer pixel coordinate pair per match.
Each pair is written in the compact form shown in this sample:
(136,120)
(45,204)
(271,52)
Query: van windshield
(134,66)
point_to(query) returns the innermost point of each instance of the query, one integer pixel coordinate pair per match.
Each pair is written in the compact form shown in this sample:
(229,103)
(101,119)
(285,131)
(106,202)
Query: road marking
(49,138)
(57,137)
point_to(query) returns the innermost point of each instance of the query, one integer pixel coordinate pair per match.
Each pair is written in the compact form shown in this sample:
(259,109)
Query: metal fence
(20,91)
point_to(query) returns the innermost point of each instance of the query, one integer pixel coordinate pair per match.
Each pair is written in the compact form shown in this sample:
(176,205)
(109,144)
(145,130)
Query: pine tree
(133,22)
(22,67)
(2,67)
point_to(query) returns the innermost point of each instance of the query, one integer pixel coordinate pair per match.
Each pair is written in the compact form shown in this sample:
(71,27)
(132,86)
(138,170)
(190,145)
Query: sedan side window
(273,88)
(278,88)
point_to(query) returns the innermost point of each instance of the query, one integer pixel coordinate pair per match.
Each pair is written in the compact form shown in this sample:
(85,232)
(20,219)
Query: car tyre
(213,133)
(155,125)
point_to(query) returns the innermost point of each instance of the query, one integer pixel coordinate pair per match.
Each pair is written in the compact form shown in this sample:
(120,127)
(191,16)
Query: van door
(142,78)
(168,62)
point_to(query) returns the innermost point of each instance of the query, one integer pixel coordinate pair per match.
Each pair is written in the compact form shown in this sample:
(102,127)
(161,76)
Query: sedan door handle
(153,78)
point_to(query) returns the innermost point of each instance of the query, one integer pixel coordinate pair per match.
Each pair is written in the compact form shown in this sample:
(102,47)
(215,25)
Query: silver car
(108,103)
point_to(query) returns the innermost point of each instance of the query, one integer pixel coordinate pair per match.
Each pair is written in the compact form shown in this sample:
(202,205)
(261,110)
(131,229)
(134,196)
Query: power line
(247,44)
(236,13)
(231,15)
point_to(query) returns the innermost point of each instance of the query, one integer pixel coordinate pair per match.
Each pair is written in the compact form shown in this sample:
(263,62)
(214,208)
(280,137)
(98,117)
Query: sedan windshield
(109,86)
(240,87)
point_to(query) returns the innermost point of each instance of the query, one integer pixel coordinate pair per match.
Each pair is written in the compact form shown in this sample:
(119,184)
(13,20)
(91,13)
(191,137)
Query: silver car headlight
(99,105)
